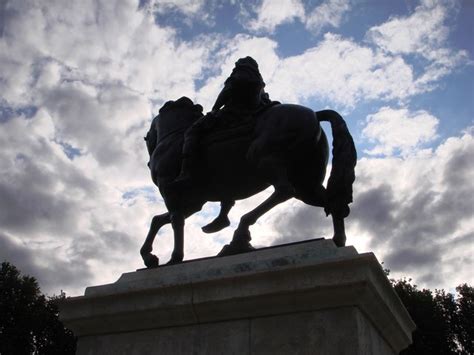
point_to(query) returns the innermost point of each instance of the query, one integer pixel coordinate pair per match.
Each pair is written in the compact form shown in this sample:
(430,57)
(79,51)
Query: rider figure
(242,94)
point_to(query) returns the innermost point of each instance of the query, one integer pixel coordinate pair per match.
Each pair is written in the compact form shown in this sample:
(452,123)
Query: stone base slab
(301,298)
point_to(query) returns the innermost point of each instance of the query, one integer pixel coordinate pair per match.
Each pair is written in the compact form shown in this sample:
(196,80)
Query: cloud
(92,74)
(54,275)
(271,14)
(398,130)
(187,7)
(329,13)
(416,33)
(423,33)
(337,70)
(189,12)
(415,223)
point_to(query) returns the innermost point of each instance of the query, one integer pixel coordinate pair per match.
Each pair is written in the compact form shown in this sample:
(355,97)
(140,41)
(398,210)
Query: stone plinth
(302,298)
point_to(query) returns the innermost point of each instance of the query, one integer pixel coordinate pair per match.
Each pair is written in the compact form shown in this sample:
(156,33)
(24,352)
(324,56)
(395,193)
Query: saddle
(232,124)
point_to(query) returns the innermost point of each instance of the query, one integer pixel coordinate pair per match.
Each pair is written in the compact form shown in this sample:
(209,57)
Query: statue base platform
(302,298)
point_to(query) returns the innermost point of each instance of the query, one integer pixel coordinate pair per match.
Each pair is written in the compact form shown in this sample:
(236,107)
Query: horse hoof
(150,260)
(339,240)
(236,248)
(216,225)
(175,259)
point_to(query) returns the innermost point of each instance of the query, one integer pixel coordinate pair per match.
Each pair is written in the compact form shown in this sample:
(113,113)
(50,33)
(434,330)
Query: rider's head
(247,61)
(247,70)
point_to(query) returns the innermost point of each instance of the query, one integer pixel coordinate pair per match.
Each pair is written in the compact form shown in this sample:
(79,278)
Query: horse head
(177,116)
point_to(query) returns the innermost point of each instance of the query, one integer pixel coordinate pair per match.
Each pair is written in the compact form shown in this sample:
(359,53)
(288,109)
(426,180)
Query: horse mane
(182,103)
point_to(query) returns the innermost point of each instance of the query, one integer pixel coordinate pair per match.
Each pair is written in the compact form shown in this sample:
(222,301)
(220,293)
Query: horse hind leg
(283,191)
(339,237)
(318,198)
(157,222)
(177,222)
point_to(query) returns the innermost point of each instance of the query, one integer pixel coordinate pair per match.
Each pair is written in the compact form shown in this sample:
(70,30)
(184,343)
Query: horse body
(285,147)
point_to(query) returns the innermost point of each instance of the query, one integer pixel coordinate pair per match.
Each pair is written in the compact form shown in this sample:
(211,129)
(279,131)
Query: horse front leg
(157,222)
(177,222)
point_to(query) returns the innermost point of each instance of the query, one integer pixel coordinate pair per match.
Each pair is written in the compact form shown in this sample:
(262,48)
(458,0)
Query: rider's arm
(224,96)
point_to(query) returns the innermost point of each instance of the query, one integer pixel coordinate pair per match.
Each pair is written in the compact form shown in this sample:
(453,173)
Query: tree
(29,322)
(444,323)
(465,321)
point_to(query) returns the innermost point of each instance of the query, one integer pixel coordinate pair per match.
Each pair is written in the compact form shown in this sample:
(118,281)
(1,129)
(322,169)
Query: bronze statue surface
(237,151)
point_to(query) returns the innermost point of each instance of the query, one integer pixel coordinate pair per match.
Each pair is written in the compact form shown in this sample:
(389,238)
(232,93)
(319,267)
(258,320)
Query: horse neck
(174,121)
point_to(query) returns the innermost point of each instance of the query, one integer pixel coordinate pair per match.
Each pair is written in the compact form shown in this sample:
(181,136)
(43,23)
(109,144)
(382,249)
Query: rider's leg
(222,220)
(190,145)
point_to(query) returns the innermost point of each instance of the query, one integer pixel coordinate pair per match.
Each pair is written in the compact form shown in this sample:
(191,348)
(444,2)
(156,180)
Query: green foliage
(444,323)
(465,320)
(29,321)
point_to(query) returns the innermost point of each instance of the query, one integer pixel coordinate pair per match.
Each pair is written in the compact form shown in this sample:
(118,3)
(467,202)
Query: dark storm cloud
(29,201)
(3,5)
(405,258)
(305,222)
(53,276)
(86,246)
(374,209)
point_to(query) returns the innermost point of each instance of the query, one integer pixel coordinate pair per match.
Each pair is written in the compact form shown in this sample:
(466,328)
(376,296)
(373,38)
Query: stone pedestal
(301,298)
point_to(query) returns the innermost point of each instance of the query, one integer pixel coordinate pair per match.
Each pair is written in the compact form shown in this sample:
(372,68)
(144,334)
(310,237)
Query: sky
(80,82)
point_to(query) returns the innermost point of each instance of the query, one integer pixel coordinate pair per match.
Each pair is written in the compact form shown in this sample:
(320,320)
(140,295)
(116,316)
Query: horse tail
(344,159)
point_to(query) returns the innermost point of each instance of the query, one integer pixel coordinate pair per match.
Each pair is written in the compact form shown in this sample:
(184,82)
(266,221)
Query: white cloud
(337,70)
(423,33)
(187,7)
(341,71)
(329,13)
(271,14)
(416,33)
(189,11)
(399,130)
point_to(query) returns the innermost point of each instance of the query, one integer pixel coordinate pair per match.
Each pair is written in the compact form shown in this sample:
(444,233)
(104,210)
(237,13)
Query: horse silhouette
(283,146)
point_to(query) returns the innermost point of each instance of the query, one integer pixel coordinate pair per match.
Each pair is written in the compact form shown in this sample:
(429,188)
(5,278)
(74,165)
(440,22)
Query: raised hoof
(150,260)
(236,248)
(216,225)
(339,240)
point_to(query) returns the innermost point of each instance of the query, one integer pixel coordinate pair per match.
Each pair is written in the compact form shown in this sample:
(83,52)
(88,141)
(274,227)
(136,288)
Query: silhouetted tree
(29,321)
(444,323)
(465,321)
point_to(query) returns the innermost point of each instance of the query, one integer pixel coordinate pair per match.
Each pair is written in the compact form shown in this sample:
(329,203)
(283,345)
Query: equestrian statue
(244,145)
